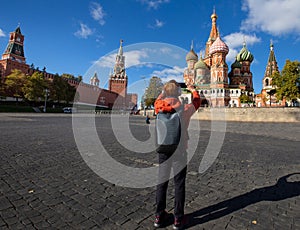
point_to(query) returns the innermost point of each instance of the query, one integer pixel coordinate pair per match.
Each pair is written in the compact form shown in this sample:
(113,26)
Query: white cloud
(153,4)
(97,12)
(235,43)
(157,24)
(168,74)
(84,31)
(2,34)
(275,17)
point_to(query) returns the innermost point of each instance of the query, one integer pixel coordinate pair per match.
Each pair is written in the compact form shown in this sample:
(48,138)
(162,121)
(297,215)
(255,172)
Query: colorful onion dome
(218,46)
(200,64)
(244,55)
(191,55)
(236,64)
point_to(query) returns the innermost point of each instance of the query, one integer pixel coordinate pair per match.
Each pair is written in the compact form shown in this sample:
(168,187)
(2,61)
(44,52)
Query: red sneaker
(160,219)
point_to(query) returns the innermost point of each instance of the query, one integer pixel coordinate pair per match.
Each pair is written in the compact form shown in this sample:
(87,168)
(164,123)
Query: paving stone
(11,220)
(52,187)
(8,213)
(42,225)
(4,203)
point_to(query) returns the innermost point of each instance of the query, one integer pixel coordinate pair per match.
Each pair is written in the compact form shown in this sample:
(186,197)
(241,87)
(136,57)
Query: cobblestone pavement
(45,183)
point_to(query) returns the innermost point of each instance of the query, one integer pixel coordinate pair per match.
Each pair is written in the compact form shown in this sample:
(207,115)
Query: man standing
(173,155)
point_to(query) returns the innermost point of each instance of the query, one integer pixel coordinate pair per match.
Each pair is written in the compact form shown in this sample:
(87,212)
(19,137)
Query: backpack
(168,128)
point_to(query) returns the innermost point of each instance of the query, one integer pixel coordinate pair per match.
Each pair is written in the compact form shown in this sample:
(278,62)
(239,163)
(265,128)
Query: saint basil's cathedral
(209,74)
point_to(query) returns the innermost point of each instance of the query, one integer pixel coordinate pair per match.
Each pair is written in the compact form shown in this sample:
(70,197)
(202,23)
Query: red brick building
(115,97)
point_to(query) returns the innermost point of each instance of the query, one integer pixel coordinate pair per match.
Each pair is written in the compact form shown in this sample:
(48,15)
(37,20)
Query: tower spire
(272,66)
(271,45)
(213,32)
(121,48)
(214,29)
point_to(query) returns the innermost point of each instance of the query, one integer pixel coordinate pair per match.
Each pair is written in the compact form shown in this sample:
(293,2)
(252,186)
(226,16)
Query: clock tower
(13,56)
(118,79)
(14,49)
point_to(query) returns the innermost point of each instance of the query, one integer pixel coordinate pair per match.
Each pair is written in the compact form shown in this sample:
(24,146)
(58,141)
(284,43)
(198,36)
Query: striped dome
(244,55)
(218,46)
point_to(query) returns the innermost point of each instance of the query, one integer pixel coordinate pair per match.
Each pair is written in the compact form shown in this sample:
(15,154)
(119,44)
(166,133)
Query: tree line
(287,82)
(33,88)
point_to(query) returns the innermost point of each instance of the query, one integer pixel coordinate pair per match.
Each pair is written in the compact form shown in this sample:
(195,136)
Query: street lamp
(46,95)
(144,96)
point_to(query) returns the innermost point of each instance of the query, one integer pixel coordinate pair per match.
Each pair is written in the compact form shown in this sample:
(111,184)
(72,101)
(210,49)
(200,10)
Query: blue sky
(82,37)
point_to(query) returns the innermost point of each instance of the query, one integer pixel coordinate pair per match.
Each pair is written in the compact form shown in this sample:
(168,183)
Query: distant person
(147,119)
(168,102)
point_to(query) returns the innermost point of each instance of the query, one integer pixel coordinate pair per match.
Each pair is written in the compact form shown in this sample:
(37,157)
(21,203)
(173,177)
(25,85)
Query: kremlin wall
(88,94)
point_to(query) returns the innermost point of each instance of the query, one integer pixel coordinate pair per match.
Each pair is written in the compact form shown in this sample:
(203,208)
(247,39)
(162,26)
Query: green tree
(287,82)
(58,88)
(14,84)
(79,78)
(68,76)
(152,91)
(70,93)
(61,90)
(245,99)
(34,89)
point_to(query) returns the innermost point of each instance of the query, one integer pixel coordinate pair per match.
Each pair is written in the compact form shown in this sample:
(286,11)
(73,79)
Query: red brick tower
(13,56)
(118,79)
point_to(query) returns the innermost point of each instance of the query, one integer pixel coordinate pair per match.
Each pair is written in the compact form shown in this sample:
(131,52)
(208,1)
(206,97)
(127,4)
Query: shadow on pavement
(283,189)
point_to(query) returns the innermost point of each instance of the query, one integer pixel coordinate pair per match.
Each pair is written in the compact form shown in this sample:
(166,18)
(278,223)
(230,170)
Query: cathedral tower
(271,68)
(118,79)
(219,73)
(212,36)
(241,75)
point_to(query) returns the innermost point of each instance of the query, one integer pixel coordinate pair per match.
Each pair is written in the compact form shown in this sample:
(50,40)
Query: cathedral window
(267,82)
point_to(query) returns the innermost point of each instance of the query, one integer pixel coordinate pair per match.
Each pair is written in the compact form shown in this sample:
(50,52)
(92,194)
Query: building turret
(202,72)
(213,33)
(244,54)
(95,80)
(15,47)
(271,68)
(191,57)
(118,79)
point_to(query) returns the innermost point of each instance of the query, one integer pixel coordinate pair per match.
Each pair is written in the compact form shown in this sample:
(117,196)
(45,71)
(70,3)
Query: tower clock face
(18,39)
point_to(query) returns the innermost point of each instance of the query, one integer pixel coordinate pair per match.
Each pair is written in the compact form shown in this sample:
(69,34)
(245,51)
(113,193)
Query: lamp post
(144,97)
(46,95)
